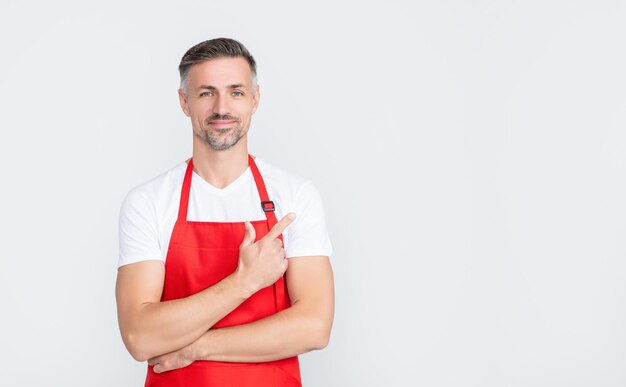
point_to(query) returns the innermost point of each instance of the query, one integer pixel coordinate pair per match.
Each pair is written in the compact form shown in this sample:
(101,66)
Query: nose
(221,106)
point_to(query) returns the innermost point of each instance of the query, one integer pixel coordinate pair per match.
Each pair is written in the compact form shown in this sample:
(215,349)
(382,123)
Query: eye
(237,93)
(206,94)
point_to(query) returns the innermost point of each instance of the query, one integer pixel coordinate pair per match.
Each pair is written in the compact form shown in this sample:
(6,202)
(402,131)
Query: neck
(220,168)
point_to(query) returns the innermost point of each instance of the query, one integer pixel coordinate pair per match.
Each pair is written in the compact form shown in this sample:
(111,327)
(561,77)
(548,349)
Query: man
(206,290)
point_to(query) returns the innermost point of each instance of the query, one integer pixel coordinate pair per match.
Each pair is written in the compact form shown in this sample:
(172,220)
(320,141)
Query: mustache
(221,117)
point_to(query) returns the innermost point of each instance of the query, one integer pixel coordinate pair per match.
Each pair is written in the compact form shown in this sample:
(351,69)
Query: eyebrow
(210,87)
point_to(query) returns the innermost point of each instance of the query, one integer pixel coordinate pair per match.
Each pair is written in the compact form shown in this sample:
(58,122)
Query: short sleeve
(308,235)
(138,231)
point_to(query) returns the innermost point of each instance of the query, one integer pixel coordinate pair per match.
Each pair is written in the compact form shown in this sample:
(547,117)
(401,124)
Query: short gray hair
(212,49)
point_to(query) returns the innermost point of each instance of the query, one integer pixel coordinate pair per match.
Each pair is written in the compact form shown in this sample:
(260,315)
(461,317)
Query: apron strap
(281,294)
(184,193)
(266,204)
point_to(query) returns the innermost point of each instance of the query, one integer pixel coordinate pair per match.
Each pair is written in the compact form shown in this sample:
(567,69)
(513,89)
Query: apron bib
(201,254)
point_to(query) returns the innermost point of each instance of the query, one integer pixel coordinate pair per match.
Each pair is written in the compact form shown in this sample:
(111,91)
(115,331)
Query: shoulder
(143,214)
(282,181)
(292,192)
(159,189)
(307,235)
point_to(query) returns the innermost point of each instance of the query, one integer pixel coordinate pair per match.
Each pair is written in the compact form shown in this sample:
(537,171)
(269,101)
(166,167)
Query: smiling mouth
(222,123)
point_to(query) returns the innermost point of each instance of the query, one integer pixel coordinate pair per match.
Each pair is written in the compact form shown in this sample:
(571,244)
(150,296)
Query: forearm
(303,327)
(161,327)
(288,333)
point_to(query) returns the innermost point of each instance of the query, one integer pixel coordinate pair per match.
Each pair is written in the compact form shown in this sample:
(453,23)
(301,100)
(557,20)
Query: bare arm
(303,327)
(150,327)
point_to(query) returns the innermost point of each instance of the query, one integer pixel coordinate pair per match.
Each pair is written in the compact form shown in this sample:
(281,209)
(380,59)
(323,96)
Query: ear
(256,97)
(183,102)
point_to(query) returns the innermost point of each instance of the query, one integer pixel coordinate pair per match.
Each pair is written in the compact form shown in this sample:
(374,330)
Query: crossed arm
(303,327)
(176,332)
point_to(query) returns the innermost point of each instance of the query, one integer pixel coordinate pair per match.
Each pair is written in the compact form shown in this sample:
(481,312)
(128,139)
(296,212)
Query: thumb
(249,236)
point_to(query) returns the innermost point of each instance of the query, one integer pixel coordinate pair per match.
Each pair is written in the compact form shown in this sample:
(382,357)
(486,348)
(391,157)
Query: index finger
(280,226)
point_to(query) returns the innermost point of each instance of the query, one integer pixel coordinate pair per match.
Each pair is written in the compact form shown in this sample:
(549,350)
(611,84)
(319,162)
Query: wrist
(244,287)
(201,348)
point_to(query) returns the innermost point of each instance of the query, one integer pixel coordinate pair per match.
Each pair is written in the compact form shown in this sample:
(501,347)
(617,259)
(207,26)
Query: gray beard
(220,142)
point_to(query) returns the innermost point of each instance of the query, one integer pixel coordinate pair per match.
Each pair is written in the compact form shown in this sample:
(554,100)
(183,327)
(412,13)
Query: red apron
(200,254)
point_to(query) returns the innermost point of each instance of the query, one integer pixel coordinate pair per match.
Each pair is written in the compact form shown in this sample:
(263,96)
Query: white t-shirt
(149,211)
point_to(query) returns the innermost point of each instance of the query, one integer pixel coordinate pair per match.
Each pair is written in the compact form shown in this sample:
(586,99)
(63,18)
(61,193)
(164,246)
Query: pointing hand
(263,262)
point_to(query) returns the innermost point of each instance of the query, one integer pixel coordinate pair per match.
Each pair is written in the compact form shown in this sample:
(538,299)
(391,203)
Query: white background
(471,157)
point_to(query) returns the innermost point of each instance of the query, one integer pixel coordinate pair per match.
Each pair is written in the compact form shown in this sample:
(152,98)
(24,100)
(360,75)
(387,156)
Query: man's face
(220,100)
